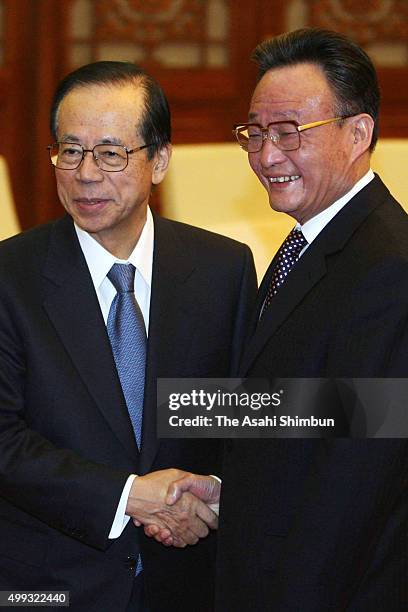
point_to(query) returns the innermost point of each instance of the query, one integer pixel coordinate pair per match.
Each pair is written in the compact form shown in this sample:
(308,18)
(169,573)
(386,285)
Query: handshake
(177,508)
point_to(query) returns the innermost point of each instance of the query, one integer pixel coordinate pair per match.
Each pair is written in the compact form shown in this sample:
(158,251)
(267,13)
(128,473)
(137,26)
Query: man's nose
(270,154)
(88,170)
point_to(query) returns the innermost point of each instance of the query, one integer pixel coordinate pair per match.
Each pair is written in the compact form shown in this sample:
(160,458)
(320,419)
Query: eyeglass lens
(68,156)
(284,135)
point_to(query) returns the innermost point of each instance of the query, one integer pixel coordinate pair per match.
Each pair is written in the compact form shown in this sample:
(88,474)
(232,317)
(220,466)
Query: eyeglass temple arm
(300,128)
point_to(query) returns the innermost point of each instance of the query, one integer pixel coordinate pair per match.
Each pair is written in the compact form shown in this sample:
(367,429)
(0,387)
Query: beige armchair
(9,224)
(212,186)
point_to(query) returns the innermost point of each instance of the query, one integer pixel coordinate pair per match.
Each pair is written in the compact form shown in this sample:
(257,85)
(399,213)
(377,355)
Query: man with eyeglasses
(93,308)
(311,525)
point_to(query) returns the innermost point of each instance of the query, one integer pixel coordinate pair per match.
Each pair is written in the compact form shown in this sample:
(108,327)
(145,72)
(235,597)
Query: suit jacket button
(77,533)
(130,563)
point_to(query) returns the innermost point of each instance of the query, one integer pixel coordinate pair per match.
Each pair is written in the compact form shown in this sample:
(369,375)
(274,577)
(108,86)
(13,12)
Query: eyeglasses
(108,157)
(284,134)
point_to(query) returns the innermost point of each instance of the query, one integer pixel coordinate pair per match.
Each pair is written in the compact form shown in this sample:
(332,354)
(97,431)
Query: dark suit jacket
(319,525)
(67,445)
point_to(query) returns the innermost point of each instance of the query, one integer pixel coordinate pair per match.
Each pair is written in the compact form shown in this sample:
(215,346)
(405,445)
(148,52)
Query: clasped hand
(171,512)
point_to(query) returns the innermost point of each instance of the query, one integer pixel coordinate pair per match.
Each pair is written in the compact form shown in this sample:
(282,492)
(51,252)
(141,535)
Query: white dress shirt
(312,228)
(99,262)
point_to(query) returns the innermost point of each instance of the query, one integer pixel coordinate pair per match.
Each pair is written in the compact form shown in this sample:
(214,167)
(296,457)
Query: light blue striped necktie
(127,334)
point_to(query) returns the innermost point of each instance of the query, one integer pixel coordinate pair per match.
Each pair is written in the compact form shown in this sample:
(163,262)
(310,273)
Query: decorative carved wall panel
(380,26)
(166,33)
(199,51)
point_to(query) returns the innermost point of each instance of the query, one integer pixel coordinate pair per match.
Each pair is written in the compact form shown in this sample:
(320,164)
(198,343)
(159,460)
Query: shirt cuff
(215,507)
(121,519)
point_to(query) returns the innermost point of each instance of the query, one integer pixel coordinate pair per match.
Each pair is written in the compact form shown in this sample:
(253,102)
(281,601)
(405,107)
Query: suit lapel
(309,269)
(171,324)
(307,272)
(72,307)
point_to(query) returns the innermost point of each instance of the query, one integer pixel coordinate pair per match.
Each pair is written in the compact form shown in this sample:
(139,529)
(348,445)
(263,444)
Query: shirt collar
(314,226)
(100,260)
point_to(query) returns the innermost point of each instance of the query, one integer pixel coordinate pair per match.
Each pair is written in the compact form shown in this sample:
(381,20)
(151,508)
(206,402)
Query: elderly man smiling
(316,525)
(93,308)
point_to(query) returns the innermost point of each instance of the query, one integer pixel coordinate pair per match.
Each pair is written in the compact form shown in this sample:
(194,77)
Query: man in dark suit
(318,525)
(75,464)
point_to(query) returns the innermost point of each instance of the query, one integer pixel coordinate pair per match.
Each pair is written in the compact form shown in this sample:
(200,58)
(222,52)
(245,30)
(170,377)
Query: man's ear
(362,133)
(161,163)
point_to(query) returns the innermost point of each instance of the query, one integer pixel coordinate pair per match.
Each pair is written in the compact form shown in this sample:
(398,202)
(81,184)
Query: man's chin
(289,208)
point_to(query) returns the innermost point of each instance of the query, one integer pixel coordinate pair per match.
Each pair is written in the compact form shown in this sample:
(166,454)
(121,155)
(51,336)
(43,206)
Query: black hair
(155,126)
(347,67)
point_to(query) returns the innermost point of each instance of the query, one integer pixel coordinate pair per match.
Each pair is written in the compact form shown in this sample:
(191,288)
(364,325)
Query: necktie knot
(293,244)
(122,277)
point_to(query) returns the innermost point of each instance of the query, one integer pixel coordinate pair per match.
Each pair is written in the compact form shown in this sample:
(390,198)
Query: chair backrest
(9,224)
(212,186)
(390,161)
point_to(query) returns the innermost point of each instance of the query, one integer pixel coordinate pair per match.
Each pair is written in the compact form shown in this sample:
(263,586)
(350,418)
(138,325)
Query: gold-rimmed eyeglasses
(108,157)
(284,134)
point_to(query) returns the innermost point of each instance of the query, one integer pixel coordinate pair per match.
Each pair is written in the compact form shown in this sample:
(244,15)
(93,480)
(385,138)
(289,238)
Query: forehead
(101,108)
(291,92)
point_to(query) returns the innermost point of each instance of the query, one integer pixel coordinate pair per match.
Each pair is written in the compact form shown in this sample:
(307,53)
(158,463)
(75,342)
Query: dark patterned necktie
(127,334)
(288,255)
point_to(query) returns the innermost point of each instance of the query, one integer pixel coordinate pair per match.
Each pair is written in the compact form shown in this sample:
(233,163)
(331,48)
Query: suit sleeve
(50,483)
(247,296)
